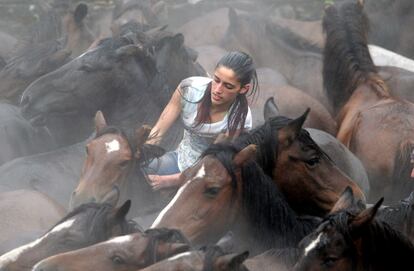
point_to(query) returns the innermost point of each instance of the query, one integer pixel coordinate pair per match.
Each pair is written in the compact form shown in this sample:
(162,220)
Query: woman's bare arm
(168,116)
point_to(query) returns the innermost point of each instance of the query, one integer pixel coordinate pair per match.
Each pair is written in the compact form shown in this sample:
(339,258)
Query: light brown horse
(122,253)
(378,128)
(112,168)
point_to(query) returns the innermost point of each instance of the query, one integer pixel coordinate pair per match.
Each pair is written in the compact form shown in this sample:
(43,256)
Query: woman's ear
(244,89)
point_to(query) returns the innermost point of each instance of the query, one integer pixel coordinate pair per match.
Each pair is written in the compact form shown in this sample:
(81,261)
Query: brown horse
(86,225)
(305,174)
(350,239)
(368,113)
(224,191)
(122,253)
(209,258)
(112,168)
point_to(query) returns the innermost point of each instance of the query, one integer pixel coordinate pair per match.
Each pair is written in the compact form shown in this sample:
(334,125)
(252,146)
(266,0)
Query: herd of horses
(322,182)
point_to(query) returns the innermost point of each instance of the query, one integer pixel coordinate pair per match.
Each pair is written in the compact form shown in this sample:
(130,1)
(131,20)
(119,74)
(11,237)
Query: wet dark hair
(242,65)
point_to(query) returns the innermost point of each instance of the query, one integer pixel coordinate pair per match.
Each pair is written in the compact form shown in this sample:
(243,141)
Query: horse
(400,216)
(112,170)
(54,173)
(210,258)
(133,75)
(89,224)
(127,252)
(305,174)
(21,222)
(367,109)
(290,101)
(277,49)
(351,239)
(222,191)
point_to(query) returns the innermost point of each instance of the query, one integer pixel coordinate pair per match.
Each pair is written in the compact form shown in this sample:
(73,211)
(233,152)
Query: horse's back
(26,214)
(344,159)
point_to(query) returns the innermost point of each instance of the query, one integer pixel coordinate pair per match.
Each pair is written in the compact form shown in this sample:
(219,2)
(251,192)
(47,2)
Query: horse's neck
(364,97)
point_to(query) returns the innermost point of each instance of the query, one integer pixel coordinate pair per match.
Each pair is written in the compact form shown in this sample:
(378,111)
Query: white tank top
(196,140)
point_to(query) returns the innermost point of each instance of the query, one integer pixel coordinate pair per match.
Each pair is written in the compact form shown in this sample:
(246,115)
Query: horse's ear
(245,155)
(270,109)
(345,201)
(122,211)
(177,40)
(231,261)
(100,122)
(287,134)
(233,18)
(365,217)
(141,134)
(80,12)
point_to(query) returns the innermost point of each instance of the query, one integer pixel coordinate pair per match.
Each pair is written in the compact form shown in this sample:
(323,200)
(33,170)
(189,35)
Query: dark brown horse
(350,239)
(368,114)
(307,177)
(122,253)
(400,216)
(210,258)
(224,191)
(112,170)
(86,225)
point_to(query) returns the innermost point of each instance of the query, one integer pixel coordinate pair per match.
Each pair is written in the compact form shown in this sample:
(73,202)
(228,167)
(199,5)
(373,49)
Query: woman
(207,107)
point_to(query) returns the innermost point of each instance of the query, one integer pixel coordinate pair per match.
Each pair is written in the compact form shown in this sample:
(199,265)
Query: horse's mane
(381,244)
(97,214)
(273,222)
(398,213)
(266,139)
(347,61)
(163,234)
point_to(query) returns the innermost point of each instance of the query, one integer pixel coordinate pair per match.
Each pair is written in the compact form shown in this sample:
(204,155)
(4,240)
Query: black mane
(97,214)
(266,138)
(273,223)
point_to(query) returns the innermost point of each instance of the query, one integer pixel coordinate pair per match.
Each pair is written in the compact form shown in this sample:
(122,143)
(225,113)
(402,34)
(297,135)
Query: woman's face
(225,87)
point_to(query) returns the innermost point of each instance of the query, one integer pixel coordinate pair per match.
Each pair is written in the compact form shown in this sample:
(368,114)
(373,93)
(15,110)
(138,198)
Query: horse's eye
(211,192)
(87,150)
(312,162)
(117,260)
(329,261)
(124,164)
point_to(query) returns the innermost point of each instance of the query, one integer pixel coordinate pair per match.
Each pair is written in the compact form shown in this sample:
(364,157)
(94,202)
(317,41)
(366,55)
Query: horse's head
(29,64)
(127,252)
(170,53)
(308,178)
(86,225)
(210,258)
(111,158)
(96,80)
(336,243)
(208,202)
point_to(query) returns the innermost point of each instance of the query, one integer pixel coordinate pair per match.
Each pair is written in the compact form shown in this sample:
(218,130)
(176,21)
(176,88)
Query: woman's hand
(164,181)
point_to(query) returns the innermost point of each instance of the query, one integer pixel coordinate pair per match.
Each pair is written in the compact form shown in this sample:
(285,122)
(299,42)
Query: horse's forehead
(112,143)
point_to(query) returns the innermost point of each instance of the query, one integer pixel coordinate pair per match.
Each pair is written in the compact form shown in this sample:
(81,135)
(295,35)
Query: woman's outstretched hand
(164,181)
